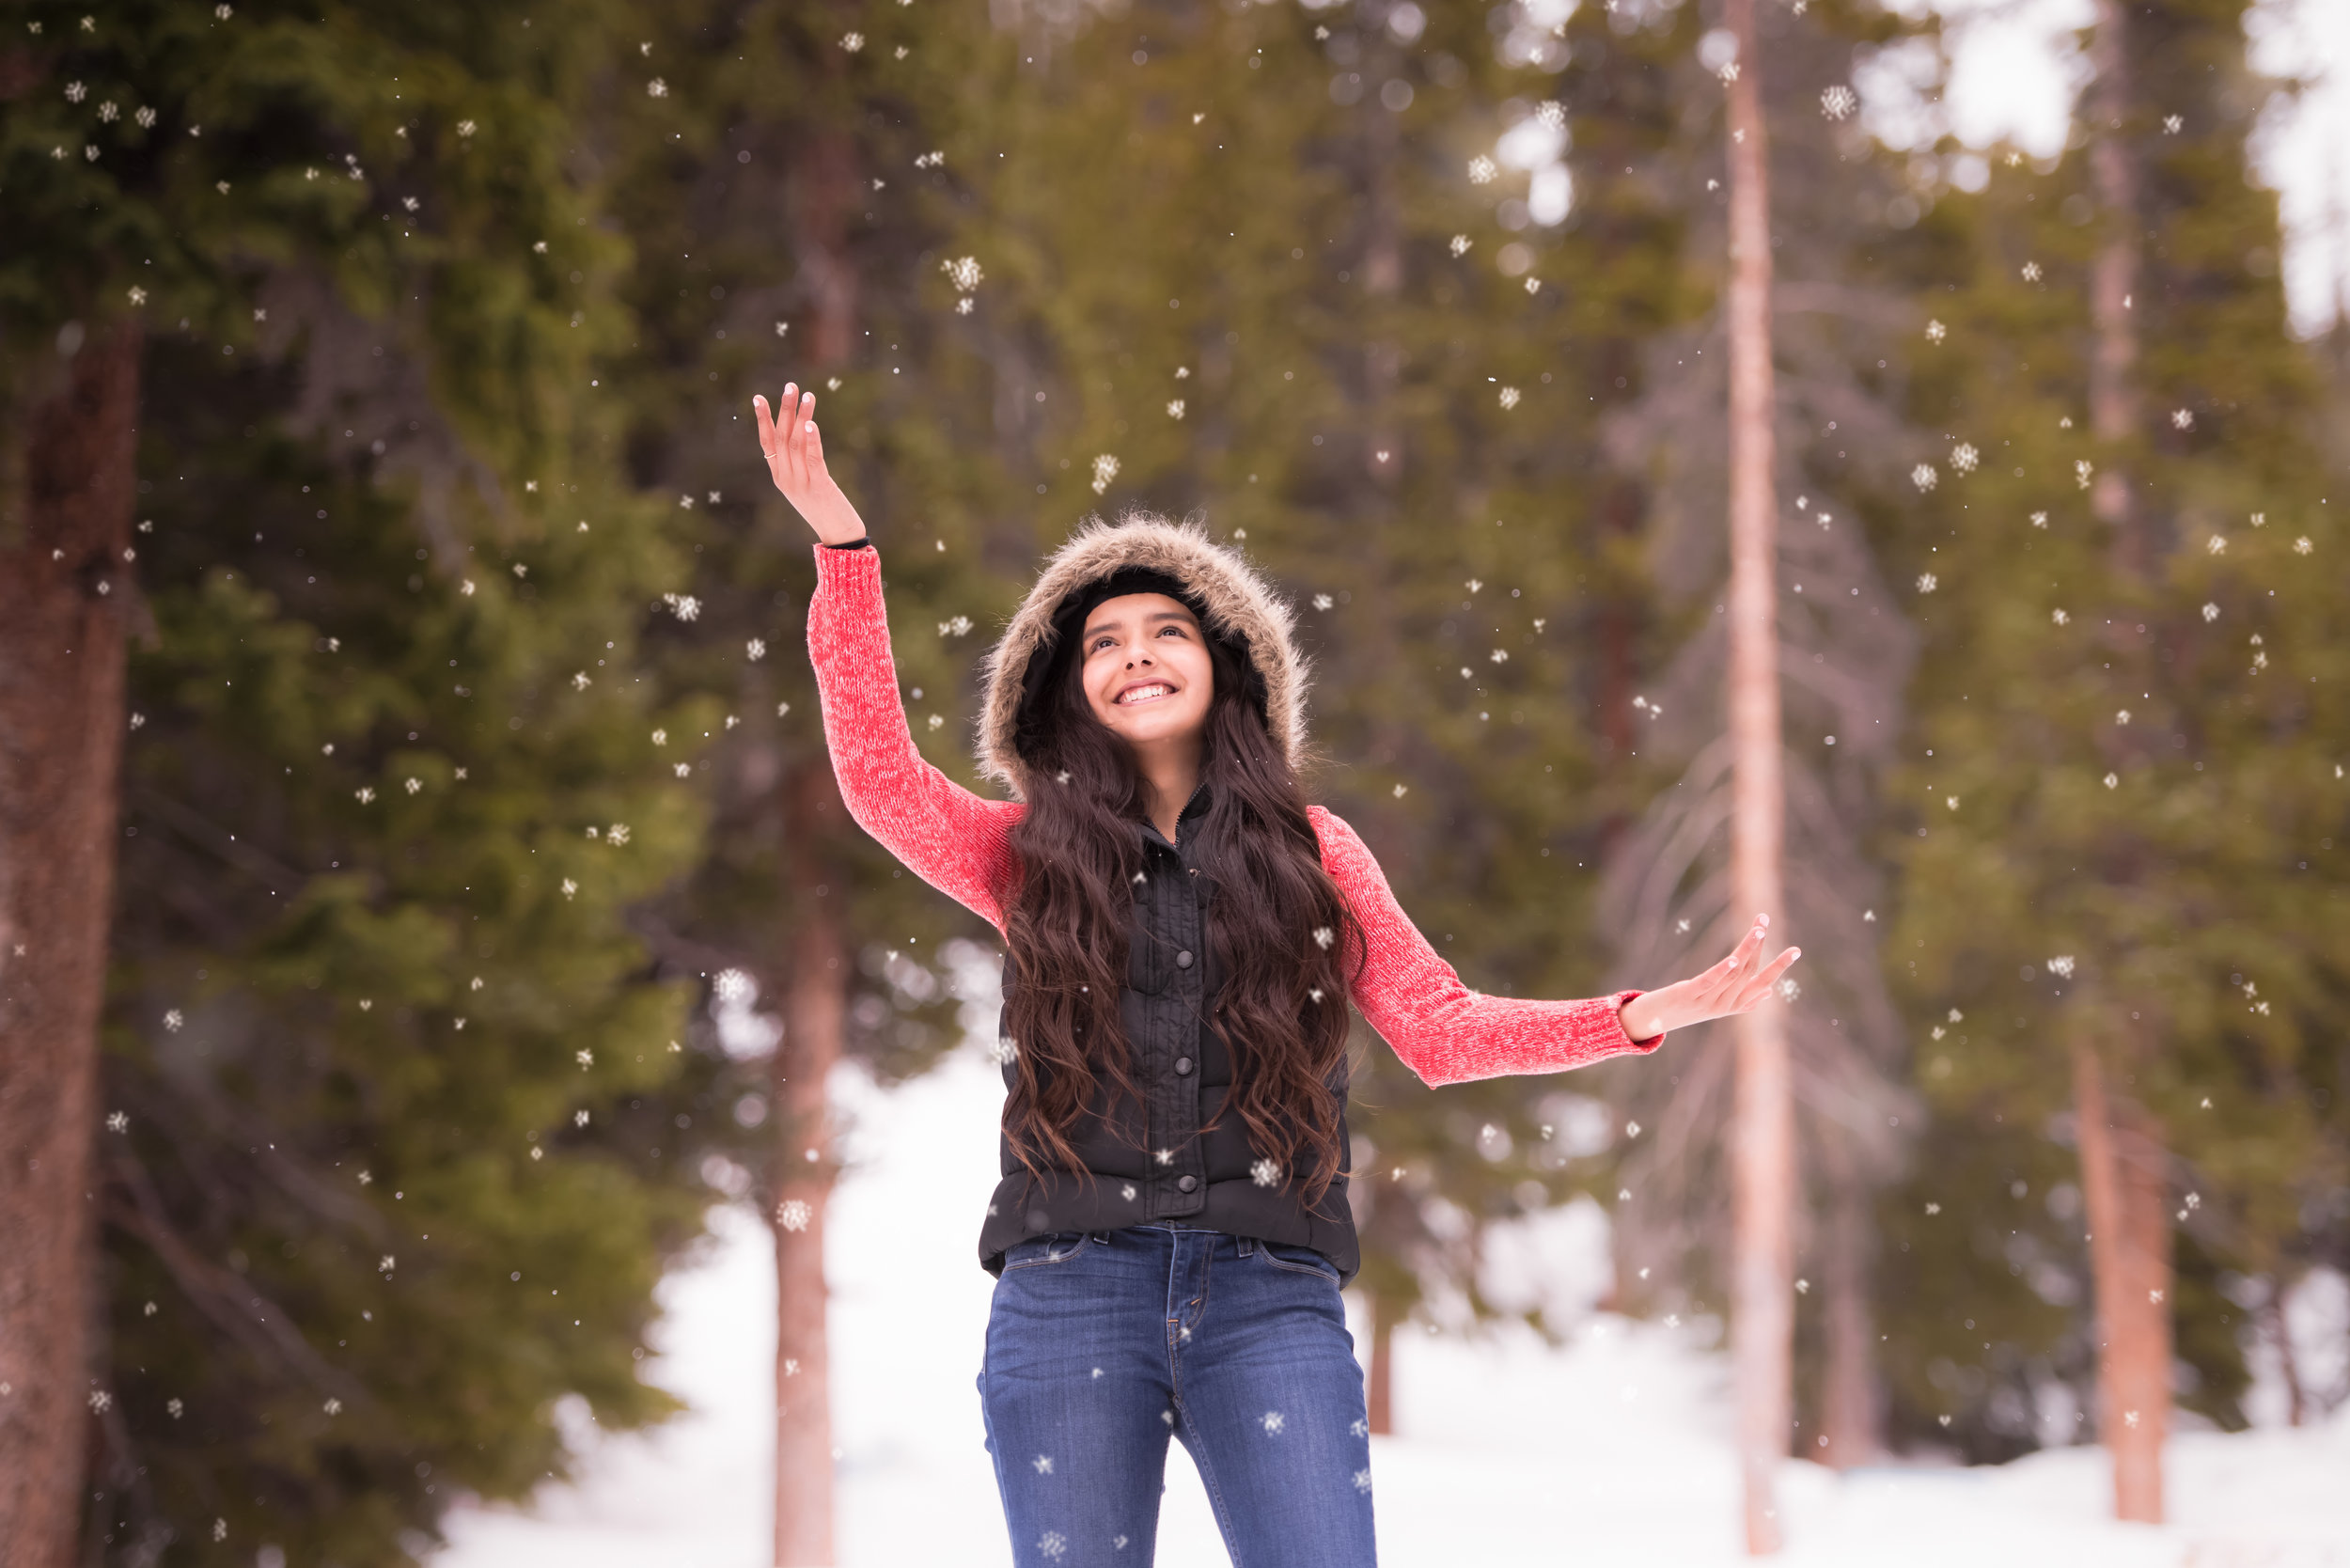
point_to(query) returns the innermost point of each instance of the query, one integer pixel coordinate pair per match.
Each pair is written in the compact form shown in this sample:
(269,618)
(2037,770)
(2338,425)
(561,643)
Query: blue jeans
(1102,1344)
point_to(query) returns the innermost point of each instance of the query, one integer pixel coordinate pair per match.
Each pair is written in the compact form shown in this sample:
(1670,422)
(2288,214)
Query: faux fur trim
(1241,602)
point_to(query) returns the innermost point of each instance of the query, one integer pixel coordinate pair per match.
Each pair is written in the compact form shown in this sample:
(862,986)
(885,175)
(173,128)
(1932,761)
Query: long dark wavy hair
(1068,927)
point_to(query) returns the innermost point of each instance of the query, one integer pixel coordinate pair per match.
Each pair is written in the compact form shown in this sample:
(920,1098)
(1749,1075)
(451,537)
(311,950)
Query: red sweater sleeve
(951,838)
(1441,1028)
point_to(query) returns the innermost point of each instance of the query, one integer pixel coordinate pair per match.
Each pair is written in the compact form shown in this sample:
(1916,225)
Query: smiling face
(1146,670)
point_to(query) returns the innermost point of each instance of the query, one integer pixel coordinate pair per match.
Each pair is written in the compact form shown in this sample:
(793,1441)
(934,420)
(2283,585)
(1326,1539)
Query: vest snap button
(1182,960)
(1188,1183)
(1182,1064)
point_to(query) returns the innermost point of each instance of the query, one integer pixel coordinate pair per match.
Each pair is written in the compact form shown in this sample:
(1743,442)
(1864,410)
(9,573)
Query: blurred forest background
(422,888)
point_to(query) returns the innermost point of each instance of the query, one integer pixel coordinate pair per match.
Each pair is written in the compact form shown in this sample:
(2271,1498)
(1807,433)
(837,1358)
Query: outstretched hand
(795,456)
(1734,985)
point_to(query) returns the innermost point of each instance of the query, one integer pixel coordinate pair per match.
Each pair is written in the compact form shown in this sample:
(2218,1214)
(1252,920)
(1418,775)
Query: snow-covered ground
(1613,1449)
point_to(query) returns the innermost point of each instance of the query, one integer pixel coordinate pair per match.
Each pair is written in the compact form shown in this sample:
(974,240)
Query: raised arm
(951,838)
(1441,1028)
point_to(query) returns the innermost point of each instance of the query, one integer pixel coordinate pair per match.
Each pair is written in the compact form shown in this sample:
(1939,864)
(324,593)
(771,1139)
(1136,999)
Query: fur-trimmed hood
(1242,605)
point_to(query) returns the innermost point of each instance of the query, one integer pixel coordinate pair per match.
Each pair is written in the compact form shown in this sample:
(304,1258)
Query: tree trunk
(823,197)
(2122,1152)
(1762,1323)
(1848,1396)
(815,1003)
(2129,1249)
(1379,1392)
(65,589)
(2280,1328)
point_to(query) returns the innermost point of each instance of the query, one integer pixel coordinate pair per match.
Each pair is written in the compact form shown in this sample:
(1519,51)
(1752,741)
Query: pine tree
(2123,788)
(399,1130)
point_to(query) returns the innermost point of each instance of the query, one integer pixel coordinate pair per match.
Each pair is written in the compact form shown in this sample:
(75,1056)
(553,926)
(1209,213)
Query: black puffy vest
(1162,1168)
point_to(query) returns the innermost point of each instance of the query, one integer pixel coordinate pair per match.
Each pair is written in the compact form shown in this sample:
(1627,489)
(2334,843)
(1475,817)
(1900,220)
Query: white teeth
(1143,693)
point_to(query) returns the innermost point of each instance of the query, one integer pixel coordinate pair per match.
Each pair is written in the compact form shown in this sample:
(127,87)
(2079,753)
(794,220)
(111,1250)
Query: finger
(815,444)
(1764,983)
(804,459)
(766,426)
(787,421)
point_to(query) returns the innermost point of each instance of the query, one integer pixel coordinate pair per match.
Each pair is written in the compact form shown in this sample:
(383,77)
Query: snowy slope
(1614,1449)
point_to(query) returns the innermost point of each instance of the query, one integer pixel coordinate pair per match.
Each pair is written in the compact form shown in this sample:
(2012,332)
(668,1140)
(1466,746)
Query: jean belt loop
(1247,1247)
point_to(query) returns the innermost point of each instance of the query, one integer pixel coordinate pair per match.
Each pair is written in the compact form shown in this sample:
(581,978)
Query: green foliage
(2124,785)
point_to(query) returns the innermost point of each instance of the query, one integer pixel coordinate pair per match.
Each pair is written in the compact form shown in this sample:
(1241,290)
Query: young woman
(1184,934)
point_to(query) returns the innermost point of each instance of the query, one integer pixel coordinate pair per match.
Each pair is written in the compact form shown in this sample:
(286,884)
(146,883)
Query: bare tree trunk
(1379,1392)
(2122,1151)
(815,1004)
(824,198)
(1848,1396)
(65,589)
(2129,1244)
(1762,1327)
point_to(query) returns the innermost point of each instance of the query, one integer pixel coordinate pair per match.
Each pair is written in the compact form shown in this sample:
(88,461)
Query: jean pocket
(1298,1260)
(1057,1246)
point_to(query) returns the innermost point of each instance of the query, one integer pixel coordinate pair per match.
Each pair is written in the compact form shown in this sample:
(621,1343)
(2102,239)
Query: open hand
(1737,985)
(795,456)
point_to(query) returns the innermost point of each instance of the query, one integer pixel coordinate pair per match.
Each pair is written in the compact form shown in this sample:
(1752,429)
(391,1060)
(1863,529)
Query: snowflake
(2061,965)
(1500,657)
(793,1214)
(1323,601)
(617,834)
(1175,408)
(1551,115)
(2173,124)
(2031,271)
(579,1119)
(2112,779)
(1935,332)
(1788,989)
(1729,72)
(366,793)
(1043,1462)
(1271,1420)
(962,271)
(685,769)
(2122,717)
(138,295)
(333,1407)
(853,42)
(2060,617)
(1933,1208)
(2217,545)
(75,92)
(585,1059)
(107,111)
(963,306)
(2083,470)
(465,127)
(1361,1428)
(2039,520)
(1964,457)
(2260,520)
(2211,611)
(1127,1192)
(756,649)
(1323,937)
(118,1122)
(1266,1173)
(1532,284)
(1924,477)
(1164,1157)
(1838,101)
(1926,581)
(145,118)
(1104,470)
(1461,243)
(1482,171)
(1400,789)
(413,785)
(383,1264)
(1509,397)
(1362,1480)
(2302,546)
(571,889)
(657,89)
(2181,419)
(172,1021)
(220,1526)
(685,605)
(173,1408)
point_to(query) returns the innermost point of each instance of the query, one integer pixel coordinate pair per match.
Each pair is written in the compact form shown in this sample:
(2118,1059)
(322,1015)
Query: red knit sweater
(961,845)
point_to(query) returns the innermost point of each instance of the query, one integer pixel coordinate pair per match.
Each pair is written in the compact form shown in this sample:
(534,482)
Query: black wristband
(860,542)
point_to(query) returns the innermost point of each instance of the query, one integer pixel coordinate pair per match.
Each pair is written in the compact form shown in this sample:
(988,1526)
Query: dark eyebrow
(1186,615)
